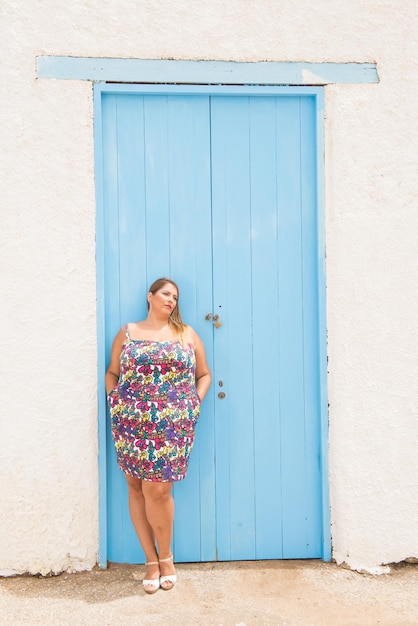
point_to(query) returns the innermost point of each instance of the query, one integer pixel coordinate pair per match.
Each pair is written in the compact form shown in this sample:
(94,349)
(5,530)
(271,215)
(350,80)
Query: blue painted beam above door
(203,72)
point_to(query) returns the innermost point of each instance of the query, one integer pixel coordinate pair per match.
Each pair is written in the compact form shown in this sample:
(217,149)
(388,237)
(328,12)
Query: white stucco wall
(48,446)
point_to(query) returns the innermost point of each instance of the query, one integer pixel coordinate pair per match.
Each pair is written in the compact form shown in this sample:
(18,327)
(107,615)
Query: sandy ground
(276,593)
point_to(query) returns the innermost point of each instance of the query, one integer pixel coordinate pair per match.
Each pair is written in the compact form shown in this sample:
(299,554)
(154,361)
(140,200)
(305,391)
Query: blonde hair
(175,320)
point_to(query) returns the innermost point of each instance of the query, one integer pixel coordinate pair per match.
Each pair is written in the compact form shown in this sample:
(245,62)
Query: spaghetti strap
(126,332)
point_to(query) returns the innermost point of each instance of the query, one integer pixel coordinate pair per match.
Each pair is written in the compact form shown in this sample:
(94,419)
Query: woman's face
(164,300)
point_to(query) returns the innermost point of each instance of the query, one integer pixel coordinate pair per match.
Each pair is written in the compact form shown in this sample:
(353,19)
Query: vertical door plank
(188,128)
(223,428)
(132,259)
(310,288)
(156,187)
(115,486)
(292,403)
(232,288)
(131,202)
(265,335)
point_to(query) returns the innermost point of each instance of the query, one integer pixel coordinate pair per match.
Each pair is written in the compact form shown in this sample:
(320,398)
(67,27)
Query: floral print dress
(154,409)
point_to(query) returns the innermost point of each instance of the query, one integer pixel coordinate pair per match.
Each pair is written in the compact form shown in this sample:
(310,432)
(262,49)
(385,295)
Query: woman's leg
(142,526)
(159,508)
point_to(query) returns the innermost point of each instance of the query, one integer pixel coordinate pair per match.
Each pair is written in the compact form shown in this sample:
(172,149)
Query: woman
(156,380)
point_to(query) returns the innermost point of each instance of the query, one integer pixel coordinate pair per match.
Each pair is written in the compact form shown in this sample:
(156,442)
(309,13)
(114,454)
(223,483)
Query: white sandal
(172,578)
(154,583)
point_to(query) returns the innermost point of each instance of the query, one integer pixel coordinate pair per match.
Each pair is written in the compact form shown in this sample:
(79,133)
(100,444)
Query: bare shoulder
(122,331)
(193,338)
(120,337)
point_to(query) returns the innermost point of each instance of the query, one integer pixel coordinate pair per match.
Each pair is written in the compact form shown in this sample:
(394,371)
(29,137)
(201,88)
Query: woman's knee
(156,492)
(134,485)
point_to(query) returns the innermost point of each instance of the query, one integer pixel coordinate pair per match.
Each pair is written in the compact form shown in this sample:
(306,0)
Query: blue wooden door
(220,193)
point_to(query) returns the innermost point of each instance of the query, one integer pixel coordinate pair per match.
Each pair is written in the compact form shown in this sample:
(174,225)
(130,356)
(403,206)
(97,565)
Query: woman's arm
(203,375)
(112,372)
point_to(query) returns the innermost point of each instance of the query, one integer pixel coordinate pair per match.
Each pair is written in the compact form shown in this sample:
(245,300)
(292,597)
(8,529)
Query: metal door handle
(221,395)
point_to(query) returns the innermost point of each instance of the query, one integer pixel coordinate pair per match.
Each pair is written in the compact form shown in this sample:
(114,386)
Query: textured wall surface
(48,447)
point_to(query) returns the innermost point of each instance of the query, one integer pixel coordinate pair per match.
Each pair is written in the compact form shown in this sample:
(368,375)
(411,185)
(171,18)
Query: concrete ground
(276,593)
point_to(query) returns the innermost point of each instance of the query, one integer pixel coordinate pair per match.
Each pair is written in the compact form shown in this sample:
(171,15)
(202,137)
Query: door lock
(214,319)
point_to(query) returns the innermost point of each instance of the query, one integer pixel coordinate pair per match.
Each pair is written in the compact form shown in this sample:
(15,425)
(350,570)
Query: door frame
(317,93)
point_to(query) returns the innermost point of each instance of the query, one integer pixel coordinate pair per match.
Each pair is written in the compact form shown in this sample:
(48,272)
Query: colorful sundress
(154,409)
